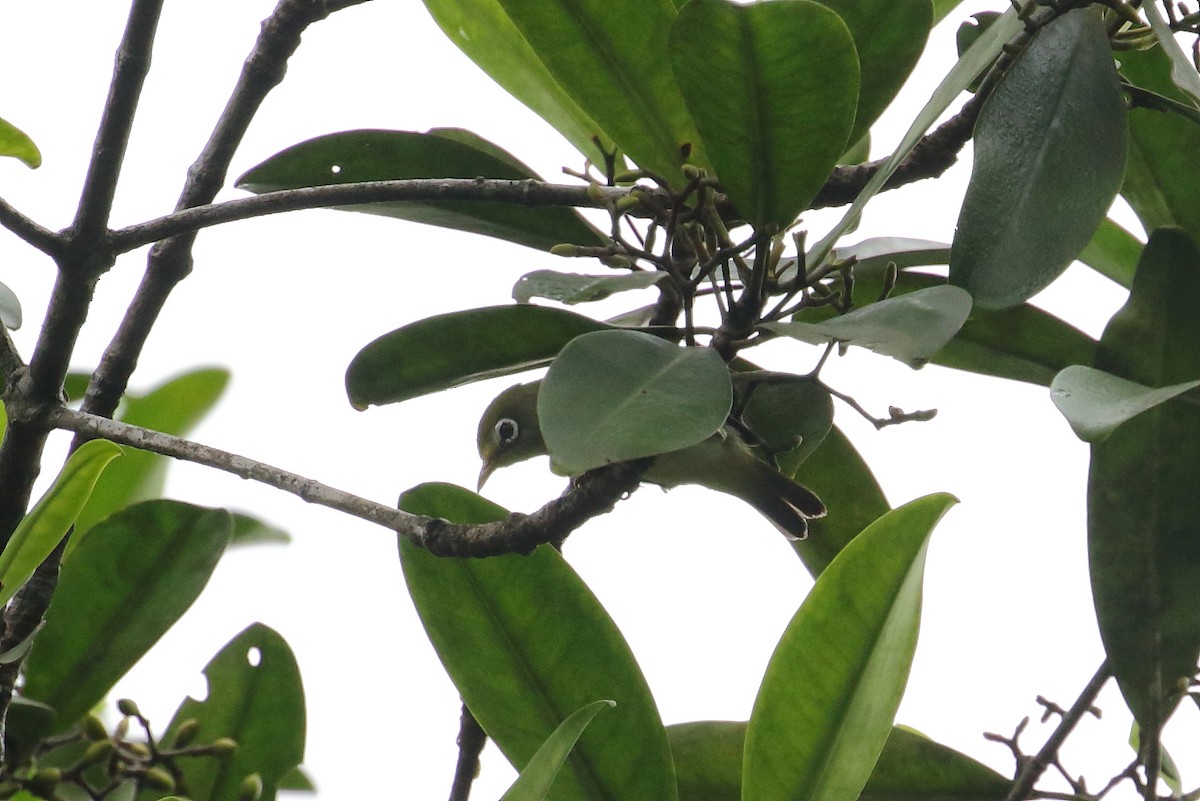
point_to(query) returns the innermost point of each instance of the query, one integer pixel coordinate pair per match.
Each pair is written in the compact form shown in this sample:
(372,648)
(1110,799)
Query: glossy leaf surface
(484,32)
(611,396)
(1095,403)
(14,143)
(449,350)
(526,644)
(256,698)
(373,155)
(1049,157)
(52,517)
(1161,182)
(1143,534)
(121,588)
(572,288)
(174,407)
(610,57)
(911,327)
(537,777)
(772,88)
(825,707)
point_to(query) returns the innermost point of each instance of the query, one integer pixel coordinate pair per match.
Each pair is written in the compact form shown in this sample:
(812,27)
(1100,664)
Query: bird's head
(509,431)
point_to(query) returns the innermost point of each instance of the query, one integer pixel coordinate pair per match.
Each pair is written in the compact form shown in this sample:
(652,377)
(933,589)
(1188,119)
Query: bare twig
(471,739)
(29,231)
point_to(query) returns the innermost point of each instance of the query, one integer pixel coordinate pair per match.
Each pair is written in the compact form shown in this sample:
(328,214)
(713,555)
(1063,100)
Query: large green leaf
(255,697)
(910,327)
(449,350)
(772,88)
(14,143)
(1049,158)
(174,407)
(538,776)
(889,36)
(43,528)
(610,57)
(526,644)
(484,32)
(611,396)
(1095,403)
(1143,533)
(708,761)
(825,707)
(121,588)
(1161,181)
(371,155)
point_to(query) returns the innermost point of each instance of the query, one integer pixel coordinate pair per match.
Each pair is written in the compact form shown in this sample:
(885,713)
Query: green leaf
(120,589)
(249,530)
(572,288)
(372,155)
(942,8)
(1095,403)
(910,327)
(889,37)
(484,32)
(1183,73)
(1168,771)
(611,396)
(10,309)
(825,707)
(772,88)
(15,144)
(1161,182)
(839,476)
(537,777)
(254,697)
(1143,533)
(449,350)
(610,57)
(708,761)
(973,62)
(1113,252)
(789,418)
(526,644)
(49,521)
(1049,157)
(174,407)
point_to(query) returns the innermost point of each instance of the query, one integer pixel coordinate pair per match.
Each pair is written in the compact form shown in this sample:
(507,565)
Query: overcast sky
(700,586)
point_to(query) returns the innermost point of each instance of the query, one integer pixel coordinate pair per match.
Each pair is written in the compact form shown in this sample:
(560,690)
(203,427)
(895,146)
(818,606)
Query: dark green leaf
(840,477)
(14,143)
(43,528)
(572,288)
(772,88)
(789,418)
(449,350)
(889,36)
(708,761)
(254,697)
(1161,181)
(1183,71)
(941,8)
(297,780)
(174,407)
(610,57)
(1113,252)
(249,530)
(910,327)
(526,644)
(1095,402)
(611,396)
(1049,156)
(121,588)
(483,30)
(370,155)
(1143,533)
(825,707)
(10,309)
(537,777)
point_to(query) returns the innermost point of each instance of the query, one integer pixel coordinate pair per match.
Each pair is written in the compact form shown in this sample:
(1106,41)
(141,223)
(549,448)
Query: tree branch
(471,739)
(29,231)
(525,193)
(590,495)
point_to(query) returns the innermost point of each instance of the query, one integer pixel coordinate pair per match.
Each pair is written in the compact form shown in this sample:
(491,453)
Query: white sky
(286,302)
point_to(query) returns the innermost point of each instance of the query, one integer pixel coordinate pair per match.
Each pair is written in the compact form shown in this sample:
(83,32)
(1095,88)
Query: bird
(509,433)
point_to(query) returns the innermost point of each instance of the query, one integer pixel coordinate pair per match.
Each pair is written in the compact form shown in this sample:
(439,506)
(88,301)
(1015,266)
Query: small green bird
(509,433)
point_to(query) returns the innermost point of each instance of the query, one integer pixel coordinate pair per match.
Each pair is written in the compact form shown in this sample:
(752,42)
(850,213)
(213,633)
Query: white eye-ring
(506,431)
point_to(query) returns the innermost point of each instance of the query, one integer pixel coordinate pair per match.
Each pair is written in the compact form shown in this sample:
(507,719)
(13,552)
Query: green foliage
(14,143)
(536,779)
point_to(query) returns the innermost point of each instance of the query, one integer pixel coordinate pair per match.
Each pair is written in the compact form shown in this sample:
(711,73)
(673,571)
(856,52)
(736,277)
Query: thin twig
(471,739)
(29,231)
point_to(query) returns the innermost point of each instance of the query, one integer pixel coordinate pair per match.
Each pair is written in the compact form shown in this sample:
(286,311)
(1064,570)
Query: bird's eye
(506,431)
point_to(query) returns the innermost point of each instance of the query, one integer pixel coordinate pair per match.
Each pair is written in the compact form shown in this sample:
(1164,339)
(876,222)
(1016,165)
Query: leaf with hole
(611,396)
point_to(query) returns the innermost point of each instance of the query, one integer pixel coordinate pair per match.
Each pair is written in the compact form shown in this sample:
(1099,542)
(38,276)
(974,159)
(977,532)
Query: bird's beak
(486,470)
